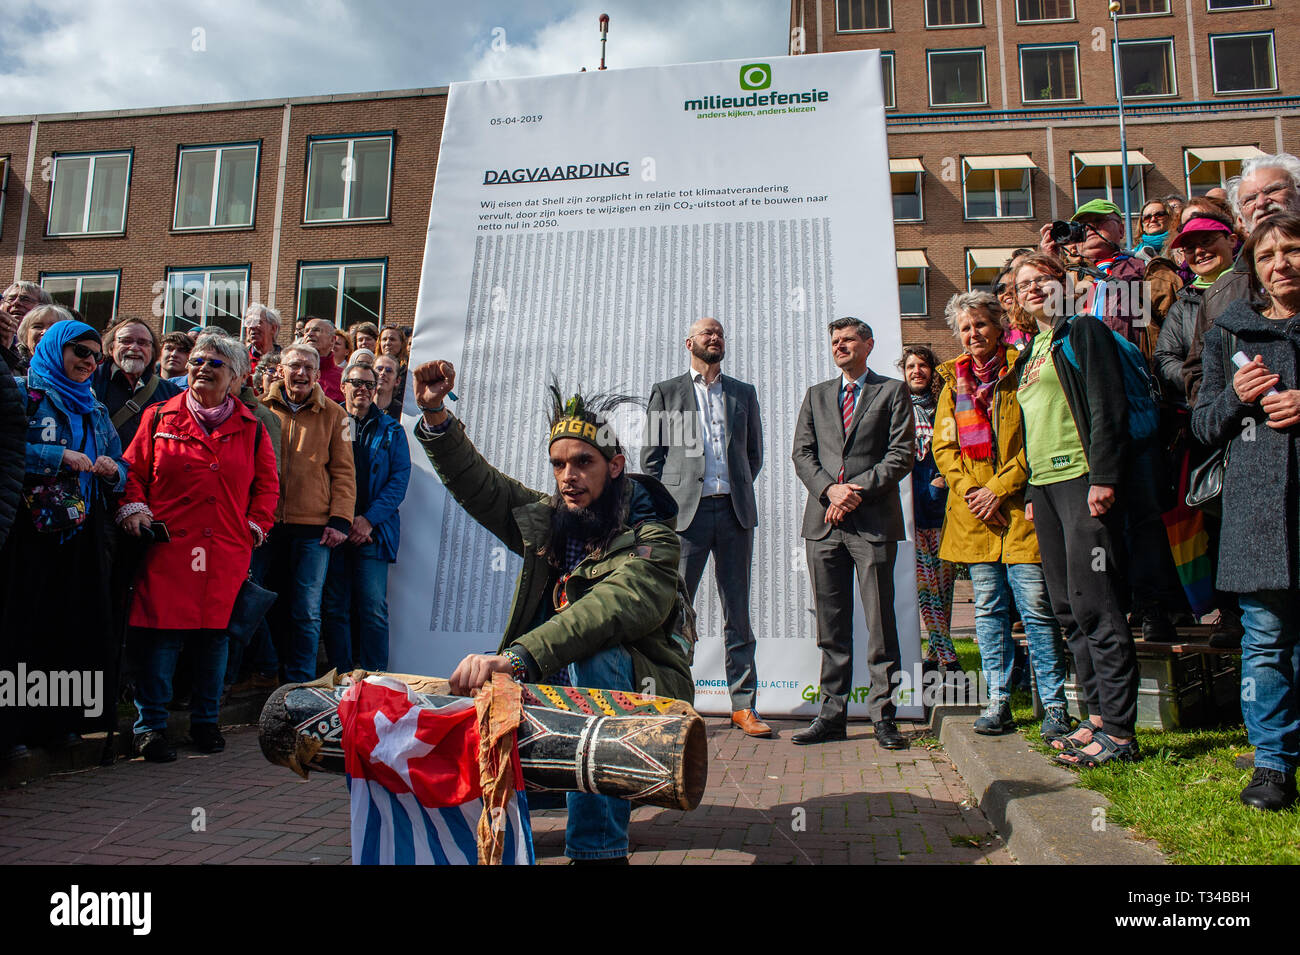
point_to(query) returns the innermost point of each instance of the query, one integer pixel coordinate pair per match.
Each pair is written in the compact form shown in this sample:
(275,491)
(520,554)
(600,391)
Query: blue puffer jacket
(45,449)
(390,472)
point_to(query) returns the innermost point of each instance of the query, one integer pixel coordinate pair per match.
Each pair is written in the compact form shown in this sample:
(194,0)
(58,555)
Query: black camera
(1068,233)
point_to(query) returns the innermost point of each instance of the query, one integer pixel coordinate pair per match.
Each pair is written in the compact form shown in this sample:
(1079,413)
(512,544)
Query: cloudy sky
(60,55)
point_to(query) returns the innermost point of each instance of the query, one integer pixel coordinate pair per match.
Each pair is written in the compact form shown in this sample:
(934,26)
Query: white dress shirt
(711,404)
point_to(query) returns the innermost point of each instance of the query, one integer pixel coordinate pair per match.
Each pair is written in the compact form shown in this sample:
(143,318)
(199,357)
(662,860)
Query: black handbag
(1205,481)
(251,605)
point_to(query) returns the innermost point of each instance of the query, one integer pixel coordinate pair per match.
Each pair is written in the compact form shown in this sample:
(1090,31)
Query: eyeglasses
(200,362)
(1041,282)
(360,383)
(1150,216)
(18,299)
(1277,188)
(81,351)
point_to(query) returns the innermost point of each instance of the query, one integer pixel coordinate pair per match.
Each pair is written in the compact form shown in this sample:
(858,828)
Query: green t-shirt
(1051,439)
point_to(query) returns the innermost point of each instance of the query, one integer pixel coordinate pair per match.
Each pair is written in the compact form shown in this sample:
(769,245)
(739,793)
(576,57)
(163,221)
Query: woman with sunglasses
(203,486)
(1075,419)
(54,567)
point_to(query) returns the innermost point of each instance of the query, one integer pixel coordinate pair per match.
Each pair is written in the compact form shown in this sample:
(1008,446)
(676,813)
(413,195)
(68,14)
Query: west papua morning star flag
(413,776)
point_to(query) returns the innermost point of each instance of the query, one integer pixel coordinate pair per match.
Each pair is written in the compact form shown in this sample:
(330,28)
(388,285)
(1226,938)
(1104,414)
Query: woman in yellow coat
(979,448)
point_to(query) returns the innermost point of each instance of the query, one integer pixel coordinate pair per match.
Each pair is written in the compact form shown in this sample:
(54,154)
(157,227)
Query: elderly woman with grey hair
(202,485)
(34,325)
(979,448)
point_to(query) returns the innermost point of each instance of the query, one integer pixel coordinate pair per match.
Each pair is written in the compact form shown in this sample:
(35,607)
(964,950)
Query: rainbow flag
(1190,545)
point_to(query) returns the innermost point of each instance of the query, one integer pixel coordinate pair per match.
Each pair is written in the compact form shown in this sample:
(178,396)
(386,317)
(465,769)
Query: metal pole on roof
(604,34)
(1123,133)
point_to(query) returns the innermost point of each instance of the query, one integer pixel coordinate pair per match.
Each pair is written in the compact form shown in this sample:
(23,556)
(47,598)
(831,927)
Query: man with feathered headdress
(598,600)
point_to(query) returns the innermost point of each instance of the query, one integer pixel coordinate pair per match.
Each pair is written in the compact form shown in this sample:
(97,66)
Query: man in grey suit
(704,442)
(853,443)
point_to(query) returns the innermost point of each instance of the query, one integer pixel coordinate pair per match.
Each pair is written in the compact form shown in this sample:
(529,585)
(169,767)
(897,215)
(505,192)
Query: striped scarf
(974,397)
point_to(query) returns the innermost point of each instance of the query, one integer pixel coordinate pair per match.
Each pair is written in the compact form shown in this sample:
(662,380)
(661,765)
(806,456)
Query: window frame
(929,76)
(997,192)
(1135,210)
(1172,61)
(341,264)
(925,16)
(892,102)
(94,155)
(1078,78)
(87,274)
(889,6)
(184,148)
(1073,17)
(920,194)
(1188,151)
(1214,61)
(4,189)
(925,292)
(207,270)
(969,262)
(1167,12)
(351,139)
(1267,4)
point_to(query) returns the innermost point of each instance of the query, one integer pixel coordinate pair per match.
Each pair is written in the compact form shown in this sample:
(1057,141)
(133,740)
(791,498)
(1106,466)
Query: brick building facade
(1003,117)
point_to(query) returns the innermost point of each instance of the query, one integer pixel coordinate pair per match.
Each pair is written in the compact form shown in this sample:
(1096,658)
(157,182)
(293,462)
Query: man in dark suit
(704,442)
(853,443)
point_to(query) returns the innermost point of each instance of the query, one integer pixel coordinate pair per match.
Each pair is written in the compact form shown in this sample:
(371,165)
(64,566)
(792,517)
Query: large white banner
(579,225)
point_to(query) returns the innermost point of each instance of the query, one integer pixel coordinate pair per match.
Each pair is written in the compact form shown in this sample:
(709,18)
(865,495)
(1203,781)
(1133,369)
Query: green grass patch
(1183,794)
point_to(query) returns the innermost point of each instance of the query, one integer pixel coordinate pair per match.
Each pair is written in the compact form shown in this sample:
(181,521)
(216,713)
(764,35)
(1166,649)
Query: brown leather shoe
(748,721)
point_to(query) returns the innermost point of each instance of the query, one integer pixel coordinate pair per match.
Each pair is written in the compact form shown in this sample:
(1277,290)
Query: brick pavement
(768,801)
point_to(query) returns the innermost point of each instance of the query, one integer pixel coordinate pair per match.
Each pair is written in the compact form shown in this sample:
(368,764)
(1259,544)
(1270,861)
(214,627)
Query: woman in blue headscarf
(54,574)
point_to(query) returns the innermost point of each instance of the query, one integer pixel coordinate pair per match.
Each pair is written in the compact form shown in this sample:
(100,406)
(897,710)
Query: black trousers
(1086,588)
(715,530)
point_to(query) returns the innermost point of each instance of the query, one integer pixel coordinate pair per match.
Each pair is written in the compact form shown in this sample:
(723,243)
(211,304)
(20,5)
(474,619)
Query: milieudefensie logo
(752,78)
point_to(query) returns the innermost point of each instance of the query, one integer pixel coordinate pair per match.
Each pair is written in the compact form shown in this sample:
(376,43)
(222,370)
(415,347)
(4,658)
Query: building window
(905,183)
(343,292)
(956,77)
(4,189)
(953,13)
(88,194)
(1243,63)
(887,79)
(216,187)
(1143,8)
(1049,73)
(200,297)
(348,179)
(997,187)
(1100,176)
(1147,67)
(983,266)
(1211,167)
(1213,5)
(856,16)
(912,269)
(93,294)
(1044,11)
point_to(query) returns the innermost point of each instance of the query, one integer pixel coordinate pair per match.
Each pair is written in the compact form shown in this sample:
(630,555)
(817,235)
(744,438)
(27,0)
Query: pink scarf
(209,418)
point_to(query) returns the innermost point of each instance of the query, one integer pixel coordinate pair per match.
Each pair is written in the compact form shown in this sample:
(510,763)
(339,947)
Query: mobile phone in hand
(159,531)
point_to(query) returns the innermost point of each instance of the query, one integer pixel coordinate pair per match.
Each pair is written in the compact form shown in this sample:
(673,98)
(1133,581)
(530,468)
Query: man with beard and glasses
(129,383)
(704,441)
(599,601)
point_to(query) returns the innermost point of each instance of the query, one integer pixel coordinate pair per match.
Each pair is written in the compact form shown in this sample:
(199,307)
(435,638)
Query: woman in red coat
(202,465)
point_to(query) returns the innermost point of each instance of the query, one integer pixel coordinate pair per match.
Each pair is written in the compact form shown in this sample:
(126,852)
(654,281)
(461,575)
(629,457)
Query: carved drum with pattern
(648,749)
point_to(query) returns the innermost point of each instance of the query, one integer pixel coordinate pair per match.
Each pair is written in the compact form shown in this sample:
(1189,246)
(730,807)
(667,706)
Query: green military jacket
(626,596)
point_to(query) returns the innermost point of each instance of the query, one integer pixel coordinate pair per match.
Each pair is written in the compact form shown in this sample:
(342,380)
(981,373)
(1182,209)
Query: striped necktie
(847,404)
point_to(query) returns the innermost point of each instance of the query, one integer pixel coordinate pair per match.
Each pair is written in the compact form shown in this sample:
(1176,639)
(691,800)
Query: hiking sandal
(1111,751)
(1072,740)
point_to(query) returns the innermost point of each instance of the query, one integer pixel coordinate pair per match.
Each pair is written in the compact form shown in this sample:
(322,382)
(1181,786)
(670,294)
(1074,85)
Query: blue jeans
(994,584)
(597,827)
(158,652)
(356,579)
(1270,677)
(306,561)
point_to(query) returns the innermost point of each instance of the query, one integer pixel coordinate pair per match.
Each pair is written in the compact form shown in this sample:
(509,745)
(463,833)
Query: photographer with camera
(1131,296)
(1127,292)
